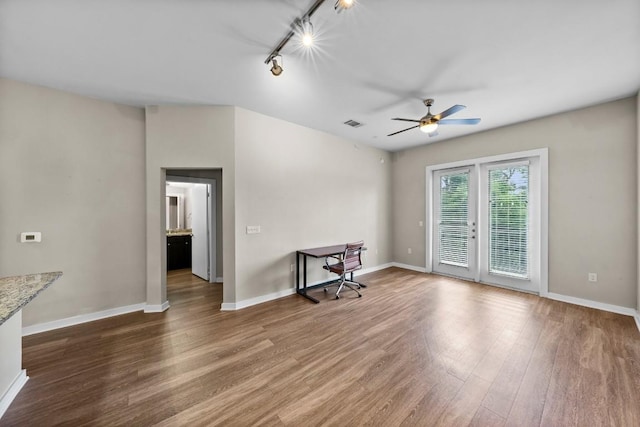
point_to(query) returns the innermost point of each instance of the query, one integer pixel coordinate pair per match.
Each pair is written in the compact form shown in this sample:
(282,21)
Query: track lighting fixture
(303,27)
(306,32)
(343,4)
(276,70)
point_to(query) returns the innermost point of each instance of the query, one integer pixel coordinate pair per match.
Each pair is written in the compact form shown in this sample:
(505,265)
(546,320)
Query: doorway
(191,225)
(488,220)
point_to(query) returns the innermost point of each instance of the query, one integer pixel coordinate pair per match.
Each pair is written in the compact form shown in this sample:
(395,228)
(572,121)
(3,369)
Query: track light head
(305,29)
(276,70)
(343,4)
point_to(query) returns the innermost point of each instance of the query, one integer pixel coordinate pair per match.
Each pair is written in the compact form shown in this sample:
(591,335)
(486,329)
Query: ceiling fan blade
(459,122)
(449,111)
(403,130)
(406,120)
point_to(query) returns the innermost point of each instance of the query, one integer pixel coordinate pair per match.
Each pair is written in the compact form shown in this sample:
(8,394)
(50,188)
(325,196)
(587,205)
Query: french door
(455,222)
(486,222)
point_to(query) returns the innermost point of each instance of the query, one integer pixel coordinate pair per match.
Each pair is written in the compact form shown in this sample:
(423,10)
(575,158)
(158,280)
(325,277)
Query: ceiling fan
(429,123)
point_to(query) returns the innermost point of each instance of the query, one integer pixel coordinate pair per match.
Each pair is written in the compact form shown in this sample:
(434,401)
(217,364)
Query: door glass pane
(453,228)
(509,221)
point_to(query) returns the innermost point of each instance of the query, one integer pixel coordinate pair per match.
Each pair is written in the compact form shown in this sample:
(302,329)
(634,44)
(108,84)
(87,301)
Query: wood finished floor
(415,350)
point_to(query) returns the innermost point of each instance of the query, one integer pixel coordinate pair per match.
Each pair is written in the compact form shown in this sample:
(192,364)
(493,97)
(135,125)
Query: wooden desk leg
(303,291)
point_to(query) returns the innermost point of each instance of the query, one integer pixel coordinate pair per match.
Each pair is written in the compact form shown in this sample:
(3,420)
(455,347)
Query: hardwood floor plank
(504,388)
(485,418)
(561,401)
(529,404)
(427,412)
(415,350)
(463,407)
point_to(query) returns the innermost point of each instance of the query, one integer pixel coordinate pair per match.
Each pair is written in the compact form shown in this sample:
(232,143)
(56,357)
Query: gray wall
(592,195)
(72,168)
(187,138)
(276,175)
(304,188)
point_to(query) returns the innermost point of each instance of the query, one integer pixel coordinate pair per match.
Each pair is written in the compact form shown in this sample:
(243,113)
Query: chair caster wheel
(359,296)
(337,297)
(325,290)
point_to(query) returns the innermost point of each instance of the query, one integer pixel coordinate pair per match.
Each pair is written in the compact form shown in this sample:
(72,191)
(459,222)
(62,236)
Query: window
(509,221)
(453,225)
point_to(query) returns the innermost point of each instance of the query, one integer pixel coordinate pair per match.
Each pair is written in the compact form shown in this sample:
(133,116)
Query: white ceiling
(507,60)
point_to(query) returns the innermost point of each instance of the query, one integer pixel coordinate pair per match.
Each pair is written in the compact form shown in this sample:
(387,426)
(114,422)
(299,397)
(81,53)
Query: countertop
(17,291)
(186,232)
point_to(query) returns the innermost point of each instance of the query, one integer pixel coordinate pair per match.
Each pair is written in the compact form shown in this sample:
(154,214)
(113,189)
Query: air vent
(353,123)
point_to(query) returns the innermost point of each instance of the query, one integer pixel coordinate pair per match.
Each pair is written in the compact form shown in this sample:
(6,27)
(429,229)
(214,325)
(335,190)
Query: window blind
(453,226)
(509,221)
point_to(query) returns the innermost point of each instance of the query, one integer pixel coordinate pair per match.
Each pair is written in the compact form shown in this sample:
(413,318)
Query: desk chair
(348,263)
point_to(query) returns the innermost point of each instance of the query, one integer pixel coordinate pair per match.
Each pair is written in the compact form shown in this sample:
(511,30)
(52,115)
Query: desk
(321,252)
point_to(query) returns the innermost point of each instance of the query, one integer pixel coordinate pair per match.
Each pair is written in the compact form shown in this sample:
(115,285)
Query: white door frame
(211,217)
(543,251)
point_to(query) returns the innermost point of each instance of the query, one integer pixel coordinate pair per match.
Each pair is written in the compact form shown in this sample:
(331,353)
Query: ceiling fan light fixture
(428,127)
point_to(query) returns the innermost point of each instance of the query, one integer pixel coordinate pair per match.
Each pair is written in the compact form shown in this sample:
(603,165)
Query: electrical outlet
(593,277)
(420,223)
(409,251)
(293,268)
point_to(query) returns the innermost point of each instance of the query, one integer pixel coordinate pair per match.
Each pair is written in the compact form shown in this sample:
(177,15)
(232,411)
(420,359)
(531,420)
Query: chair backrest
(351,259)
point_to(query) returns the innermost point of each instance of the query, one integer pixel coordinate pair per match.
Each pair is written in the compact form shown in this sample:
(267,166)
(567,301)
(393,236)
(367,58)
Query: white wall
(592,195)
(304,188)
(180,137)
(72,168)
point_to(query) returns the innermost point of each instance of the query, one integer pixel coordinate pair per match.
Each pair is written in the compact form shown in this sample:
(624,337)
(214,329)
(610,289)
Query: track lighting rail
(276,51)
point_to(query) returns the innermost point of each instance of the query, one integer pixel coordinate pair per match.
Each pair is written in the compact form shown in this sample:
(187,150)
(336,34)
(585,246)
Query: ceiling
(507,60)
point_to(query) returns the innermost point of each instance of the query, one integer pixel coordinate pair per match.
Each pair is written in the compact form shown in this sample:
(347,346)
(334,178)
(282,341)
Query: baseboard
(219,280)
(83,318)
(564,298)
(150,308)
(409,267)
(373,269)
(593,304)
(13,391)
(231,306)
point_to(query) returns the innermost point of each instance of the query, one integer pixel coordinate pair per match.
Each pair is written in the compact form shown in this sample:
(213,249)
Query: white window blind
(453,226)
(509,221)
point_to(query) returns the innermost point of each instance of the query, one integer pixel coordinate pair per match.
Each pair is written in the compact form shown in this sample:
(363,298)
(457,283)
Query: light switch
(30,237)
(253,229)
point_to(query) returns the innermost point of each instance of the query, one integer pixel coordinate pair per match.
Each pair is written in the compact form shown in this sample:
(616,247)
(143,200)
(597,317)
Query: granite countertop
(179,233)
(17,291)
